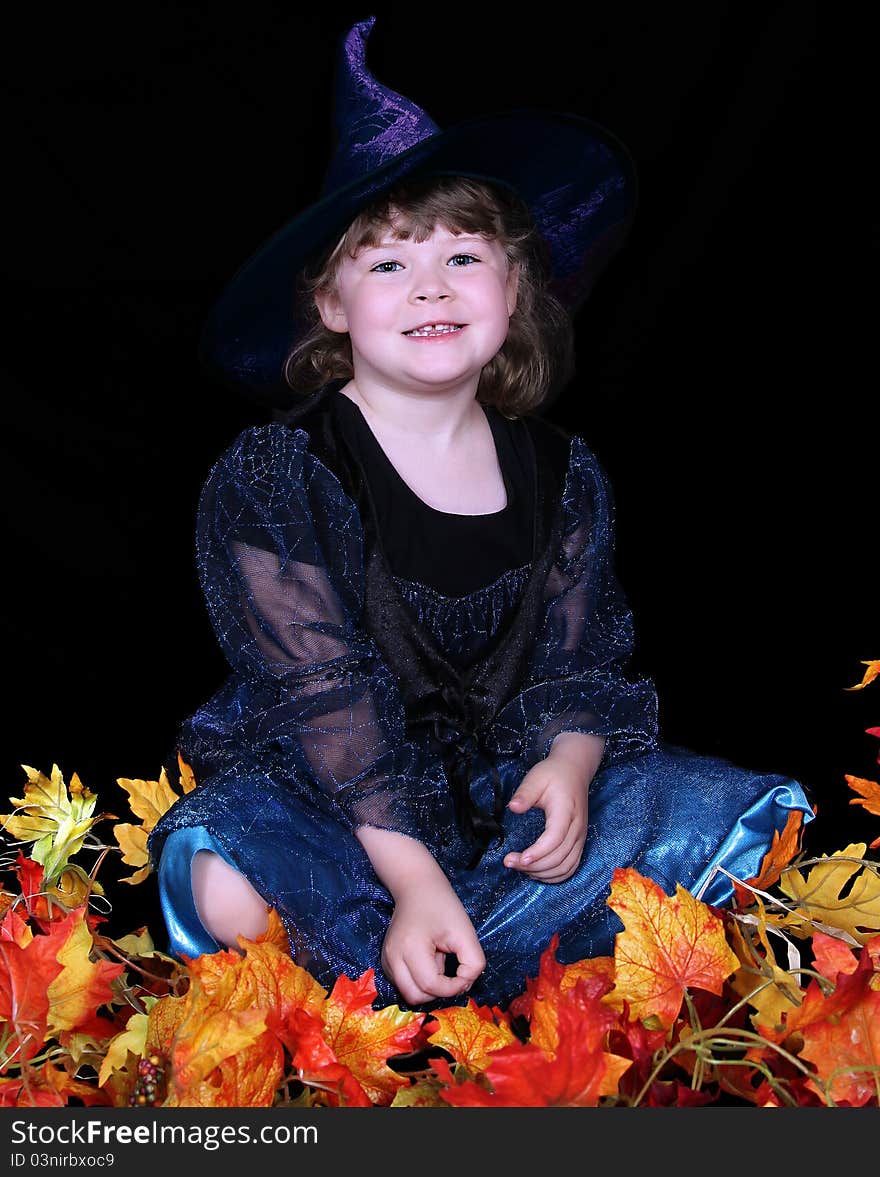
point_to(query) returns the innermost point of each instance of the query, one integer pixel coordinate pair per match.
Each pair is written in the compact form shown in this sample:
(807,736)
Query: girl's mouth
(434,330)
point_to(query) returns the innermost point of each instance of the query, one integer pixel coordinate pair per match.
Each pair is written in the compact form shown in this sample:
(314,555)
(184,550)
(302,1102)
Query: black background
(152,149)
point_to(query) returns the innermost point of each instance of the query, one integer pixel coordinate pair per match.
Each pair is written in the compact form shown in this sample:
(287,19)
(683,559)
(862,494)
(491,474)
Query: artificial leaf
(832,957)
(187,777)
(56,820)
(782,850)
(83,985)
(317,1065)
(578,1074)
(49,1086)
(264,977)
(869,794)
(28,966)
(363,1038)
(539,1004)
(423,1094)
(771,991)
(669,944)
(469,1035)
(132,841)
(208,1035)
(840,891)
(132,1040)
(149,800)
(873,669)
(841,1036)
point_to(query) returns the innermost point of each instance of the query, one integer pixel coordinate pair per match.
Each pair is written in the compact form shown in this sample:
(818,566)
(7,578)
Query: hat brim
(576,177)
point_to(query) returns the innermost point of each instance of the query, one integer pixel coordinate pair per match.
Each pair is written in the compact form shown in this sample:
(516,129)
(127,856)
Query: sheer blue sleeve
(280,560)
(577,680)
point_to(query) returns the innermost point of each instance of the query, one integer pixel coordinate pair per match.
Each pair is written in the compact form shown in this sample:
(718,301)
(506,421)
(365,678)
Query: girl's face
(427,314)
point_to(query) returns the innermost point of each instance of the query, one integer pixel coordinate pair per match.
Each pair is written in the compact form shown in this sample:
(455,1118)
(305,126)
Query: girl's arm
(429,920)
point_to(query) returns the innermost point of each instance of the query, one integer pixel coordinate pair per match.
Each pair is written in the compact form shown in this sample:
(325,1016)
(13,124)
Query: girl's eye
(381,268)
(462,258)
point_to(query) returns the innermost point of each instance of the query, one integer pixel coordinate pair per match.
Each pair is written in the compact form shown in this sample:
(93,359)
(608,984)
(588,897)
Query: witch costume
(373,684)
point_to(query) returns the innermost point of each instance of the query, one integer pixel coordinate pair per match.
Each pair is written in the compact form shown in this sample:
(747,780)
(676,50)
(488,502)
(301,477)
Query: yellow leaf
(132,841)
(770,990)
(424,1094)
(187,777)
(149,799)
(54,819)
(820,897)
(468,1036)
(133,1038)
(138,943)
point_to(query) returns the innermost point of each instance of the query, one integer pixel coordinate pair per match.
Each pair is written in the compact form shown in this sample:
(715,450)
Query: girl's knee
(225,901)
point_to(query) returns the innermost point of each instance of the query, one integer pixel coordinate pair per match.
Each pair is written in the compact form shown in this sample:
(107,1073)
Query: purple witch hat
(577,179)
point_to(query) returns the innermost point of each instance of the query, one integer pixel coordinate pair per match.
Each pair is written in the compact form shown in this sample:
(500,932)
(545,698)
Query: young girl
(428,757)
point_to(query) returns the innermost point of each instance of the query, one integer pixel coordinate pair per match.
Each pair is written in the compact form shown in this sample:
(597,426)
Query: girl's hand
(559,785)
(429,922)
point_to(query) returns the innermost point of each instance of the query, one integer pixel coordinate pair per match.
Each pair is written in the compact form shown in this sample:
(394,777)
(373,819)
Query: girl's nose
(429,285)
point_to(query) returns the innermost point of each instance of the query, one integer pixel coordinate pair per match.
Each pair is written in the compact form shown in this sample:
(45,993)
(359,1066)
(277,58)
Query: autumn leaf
(469,1034)
(132,841)
(869,796)
(841,1035)
(49,1086)
(832,957)
(363,1038)
(426,1093)
(840,891)
(668,945)
(539,1003)
(28,966)
(56,820)
(770,990)
(148,800)
(578,1074)
(265,977)
(318,1066)
(83,985)
(868,677)
(131,1040)
(212,1038)
(782,850)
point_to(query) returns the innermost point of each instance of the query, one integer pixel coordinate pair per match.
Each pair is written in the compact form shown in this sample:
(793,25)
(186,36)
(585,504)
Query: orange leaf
(577,1075)
(868,677)
(831,956)
(318,1066)
(362,1039)
(28,966)
(212,1063)
(540,1001)
(668,945)
(264,978)
(782,850)
(841,1035)
(468,1035)
(870,794)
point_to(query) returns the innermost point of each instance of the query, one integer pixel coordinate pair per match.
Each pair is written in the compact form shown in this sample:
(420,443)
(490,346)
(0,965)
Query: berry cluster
(148,1088)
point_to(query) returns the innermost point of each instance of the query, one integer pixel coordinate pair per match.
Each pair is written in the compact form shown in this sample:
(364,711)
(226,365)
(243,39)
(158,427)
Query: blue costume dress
(359,695)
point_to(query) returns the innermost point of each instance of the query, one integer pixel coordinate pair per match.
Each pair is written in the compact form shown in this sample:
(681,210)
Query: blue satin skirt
(672,814)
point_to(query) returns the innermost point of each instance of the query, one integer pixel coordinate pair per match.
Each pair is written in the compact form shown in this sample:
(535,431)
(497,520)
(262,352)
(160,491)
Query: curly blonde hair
(537,357)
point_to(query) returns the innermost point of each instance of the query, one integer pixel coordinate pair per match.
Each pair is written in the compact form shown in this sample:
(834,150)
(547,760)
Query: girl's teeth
(434,330)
